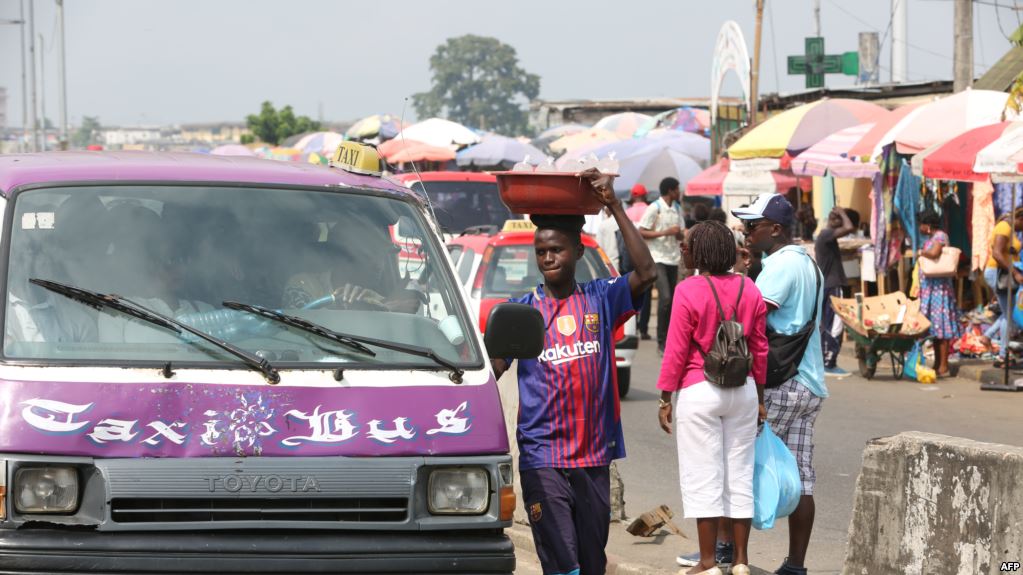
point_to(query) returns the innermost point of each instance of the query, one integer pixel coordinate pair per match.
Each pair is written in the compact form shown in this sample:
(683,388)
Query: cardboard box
(888,314)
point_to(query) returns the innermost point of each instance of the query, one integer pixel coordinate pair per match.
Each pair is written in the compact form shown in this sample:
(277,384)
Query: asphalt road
(857,411)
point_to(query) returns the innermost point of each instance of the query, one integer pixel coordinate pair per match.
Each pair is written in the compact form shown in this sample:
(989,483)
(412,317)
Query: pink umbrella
(869,146)
(832,154)
(947,118)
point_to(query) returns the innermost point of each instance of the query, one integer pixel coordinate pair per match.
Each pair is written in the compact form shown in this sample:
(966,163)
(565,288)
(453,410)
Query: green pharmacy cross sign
(816,63)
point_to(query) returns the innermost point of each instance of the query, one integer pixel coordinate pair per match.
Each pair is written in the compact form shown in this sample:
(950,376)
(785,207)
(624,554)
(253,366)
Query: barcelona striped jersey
(569,415)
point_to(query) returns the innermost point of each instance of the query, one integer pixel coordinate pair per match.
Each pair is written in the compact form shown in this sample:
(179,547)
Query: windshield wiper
(99,300)
(352,341)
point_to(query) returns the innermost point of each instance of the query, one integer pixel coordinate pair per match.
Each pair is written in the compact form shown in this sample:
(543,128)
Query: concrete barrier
(929,504)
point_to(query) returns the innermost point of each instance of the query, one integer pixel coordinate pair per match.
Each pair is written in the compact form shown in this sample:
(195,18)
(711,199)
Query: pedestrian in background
(841,222)
(1004,254)
(564,461)
(937,296)
(716,425)
(662,229)
(637,207)
(793,291)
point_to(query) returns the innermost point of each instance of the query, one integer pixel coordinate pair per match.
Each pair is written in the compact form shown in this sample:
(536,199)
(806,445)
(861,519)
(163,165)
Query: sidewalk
(661,548)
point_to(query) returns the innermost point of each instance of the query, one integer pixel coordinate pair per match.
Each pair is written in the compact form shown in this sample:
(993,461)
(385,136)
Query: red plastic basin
(547,193)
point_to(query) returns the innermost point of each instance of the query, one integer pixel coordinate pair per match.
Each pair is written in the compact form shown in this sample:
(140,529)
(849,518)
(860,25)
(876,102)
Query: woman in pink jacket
(716,425)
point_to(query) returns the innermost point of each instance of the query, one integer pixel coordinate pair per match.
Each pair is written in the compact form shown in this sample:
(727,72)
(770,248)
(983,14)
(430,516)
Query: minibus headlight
(457,490)
(46,490)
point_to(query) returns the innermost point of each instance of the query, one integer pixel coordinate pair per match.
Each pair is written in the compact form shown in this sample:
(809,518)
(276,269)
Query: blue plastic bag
(1017,309)
(912,360)
(776,484)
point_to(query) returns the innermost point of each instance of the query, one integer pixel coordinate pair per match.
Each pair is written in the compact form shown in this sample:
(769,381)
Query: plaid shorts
(792,410)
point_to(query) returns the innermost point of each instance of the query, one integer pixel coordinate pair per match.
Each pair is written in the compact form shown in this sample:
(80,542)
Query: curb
(522,538)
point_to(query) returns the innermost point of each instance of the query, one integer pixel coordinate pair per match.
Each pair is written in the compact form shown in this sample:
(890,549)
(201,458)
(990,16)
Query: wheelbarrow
(870,350)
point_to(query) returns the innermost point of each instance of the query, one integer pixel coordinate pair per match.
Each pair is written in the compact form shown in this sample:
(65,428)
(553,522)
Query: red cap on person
(638,191)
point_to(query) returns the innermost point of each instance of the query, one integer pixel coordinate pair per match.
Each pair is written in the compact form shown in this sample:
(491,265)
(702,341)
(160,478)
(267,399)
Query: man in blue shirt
(790,285)
(569,424)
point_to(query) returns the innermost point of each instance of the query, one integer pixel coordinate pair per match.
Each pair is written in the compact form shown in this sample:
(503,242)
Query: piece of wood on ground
(648,523)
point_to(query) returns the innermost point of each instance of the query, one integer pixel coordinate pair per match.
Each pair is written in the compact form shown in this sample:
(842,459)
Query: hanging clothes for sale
(982,220)
(956,210)
(884,184)
(1003,197)
(907,202)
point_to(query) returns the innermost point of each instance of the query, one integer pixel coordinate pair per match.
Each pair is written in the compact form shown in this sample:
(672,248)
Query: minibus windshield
(352,261)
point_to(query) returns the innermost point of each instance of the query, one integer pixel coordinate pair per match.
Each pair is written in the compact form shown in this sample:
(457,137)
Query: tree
(477,81)
(273,126)
(86,133)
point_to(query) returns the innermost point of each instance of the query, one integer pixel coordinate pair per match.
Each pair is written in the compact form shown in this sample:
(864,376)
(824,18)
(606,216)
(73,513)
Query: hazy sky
(144,62)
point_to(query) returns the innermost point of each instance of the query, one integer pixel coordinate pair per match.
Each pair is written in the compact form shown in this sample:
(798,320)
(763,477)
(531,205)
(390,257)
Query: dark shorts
(569,511)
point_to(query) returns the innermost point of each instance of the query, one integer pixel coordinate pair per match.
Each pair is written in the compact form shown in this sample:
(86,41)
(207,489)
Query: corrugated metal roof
(1003,73)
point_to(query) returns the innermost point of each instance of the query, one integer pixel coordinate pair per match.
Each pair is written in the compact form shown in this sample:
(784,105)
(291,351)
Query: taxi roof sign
(357,158)
(518,226)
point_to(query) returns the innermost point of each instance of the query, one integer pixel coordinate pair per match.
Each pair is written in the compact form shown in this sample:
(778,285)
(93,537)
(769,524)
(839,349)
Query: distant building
(212,134)
(545,114)
(130,138)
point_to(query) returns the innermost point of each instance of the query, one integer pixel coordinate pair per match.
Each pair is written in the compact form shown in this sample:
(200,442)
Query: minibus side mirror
(515,331)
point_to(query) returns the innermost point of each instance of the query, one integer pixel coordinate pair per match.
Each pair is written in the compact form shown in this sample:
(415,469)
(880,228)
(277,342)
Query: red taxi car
(494,265)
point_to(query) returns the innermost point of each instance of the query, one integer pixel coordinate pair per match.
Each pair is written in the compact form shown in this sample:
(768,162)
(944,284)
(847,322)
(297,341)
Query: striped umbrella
(795,130)
(975,154)
(381,126)
(718,179)
(319,142)
(870,145)
(832,154)
(946,118)
(399,151)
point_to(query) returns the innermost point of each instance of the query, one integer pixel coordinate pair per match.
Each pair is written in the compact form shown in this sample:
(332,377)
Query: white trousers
(716,428)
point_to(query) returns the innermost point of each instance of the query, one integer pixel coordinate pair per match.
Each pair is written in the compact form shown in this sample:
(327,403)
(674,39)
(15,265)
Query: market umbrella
(590,136)
(382,126)
(974,154)
(685,119)
(624,124)
(285,154)
(870,145)
(414,151)
(319,142)
(494,150)
(832,155)
(796,129)
(692,145)
(232,150)
(439,132)
(550,134)
(717,180)
(652,166)
(947,118)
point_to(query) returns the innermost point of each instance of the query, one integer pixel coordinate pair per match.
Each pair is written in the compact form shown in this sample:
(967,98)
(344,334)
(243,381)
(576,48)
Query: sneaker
(723,553)
(835,372)
(787,569)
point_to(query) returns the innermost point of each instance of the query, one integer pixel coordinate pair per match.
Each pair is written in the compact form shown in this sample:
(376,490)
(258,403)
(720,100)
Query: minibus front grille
(213,510)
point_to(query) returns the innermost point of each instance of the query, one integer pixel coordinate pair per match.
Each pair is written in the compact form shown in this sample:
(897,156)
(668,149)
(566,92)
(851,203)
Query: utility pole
(755,71)
(817,17)
(63,80)
(962,54)
(24,84)
(900,54)
(42,89)
(32,73)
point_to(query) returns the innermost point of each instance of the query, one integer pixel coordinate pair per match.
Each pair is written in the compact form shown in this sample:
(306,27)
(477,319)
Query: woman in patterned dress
(937,297)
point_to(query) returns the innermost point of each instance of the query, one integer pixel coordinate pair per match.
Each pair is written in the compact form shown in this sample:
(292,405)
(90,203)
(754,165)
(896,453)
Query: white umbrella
(439,132)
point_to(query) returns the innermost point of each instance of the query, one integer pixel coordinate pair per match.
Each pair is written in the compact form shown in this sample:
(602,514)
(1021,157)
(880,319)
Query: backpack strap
(716,298)
(742,284)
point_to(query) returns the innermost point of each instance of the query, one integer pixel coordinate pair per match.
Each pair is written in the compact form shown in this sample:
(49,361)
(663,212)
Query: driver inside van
(355,268)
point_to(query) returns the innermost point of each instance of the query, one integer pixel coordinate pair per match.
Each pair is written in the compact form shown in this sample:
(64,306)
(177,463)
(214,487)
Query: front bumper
(60,552)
